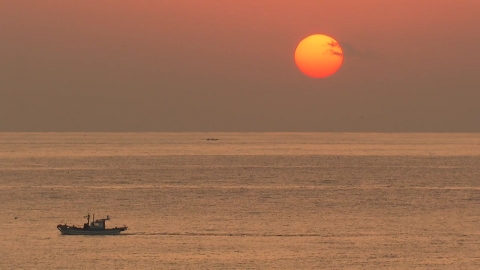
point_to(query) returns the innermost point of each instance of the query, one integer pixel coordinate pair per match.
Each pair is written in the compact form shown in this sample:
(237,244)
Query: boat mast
(88,218)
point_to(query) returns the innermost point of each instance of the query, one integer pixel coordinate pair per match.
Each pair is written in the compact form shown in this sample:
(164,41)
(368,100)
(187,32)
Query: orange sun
(318,56)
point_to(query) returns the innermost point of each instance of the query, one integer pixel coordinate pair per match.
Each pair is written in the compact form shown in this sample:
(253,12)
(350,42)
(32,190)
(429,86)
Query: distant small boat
(96,227)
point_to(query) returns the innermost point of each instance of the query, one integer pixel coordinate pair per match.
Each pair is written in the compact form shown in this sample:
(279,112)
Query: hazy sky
(227,65)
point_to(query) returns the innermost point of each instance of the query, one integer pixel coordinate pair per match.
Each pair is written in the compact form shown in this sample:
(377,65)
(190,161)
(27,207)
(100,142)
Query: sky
(228,66)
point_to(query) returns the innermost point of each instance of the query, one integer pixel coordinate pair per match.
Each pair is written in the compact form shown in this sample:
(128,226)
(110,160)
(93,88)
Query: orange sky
(113,65)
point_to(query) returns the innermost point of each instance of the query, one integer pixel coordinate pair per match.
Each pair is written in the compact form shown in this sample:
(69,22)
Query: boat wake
(223,234)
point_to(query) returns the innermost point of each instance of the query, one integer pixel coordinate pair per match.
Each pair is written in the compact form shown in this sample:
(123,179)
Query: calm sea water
(244,201)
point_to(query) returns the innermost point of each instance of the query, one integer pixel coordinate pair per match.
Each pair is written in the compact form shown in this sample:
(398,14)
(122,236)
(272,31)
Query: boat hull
(66,230)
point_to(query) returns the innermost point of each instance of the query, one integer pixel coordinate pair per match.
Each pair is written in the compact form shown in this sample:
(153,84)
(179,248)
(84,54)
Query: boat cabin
(98,224)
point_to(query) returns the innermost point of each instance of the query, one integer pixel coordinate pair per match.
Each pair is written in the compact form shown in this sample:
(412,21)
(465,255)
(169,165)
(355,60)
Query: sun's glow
(319,56)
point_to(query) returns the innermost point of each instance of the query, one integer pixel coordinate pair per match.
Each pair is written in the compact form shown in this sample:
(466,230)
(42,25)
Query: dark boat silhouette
(96,227)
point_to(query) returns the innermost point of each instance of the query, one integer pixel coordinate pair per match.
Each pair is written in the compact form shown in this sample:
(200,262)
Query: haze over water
(244,201)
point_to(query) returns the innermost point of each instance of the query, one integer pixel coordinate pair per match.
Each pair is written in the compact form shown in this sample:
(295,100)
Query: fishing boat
(96,227)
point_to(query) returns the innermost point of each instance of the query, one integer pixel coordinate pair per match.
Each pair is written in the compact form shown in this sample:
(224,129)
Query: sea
(242,200)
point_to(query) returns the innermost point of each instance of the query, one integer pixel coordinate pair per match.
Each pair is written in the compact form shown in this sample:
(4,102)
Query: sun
(319,56)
